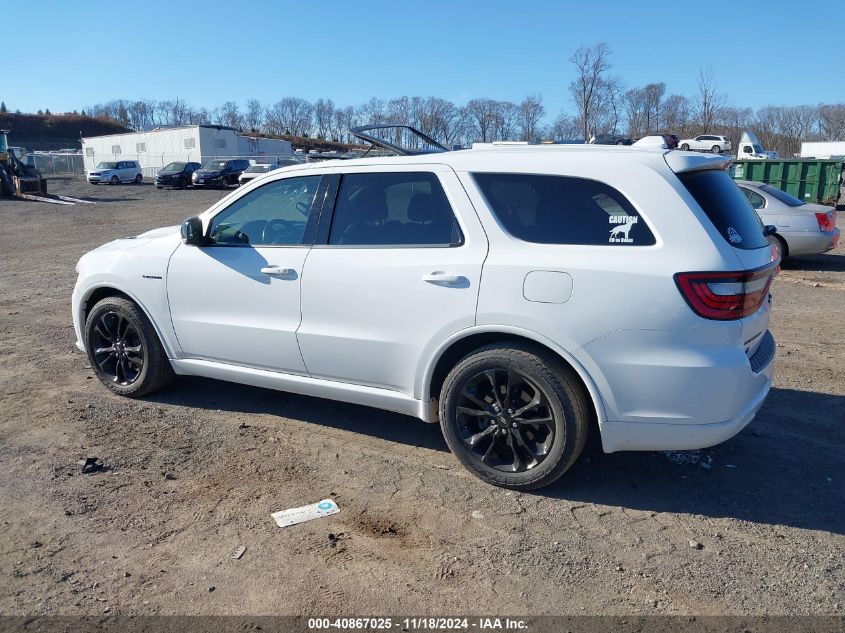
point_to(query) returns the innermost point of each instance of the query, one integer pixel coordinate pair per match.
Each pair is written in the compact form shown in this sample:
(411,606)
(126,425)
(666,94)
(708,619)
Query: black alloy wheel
(118,349)
(505,420)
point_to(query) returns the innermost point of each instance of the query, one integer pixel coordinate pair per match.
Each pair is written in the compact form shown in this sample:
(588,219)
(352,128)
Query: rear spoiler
(680,162)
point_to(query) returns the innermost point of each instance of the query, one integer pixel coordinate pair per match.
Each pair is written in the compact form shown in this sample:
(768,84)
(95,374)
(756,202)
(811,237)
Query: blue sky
(207,51)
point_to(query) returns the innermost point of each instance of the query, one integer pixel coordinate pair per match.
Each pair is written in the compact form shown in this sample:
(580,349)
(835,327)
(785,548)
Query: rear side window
(726,206)
(563,210)
(395,209)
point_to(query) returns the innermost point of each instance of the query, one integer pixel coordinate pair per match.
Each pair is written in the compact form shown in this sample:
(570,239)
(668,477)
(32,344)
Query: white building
(192,143)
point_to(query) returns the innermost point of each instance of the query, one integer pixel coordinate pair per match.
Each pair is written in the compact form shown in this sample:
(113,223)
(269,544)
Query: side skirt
(346,392)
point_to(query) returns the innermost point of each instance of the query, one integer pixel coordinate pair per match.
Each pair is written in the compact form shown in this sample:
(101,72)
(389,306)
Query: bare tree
(653,101)
(483,115)
(565,128)
(323,115)
(291,115)
(709,103)
(229,115)
(531,112)
(676,114)
(591,64)
(831,123)
(254,115)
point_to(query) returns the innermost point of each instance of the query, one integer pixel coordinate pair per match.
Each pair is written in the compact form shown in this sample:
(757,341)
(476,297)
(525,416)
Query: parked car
(671,140)
(515,296)
(802,229)
(219,173)
(707,142)
(114,172)
(610,139)
(176,174)
(253,171)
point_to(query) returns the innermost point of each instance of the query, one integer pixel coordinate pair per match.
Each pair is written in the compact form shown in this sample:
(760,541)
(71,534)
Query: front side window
(548,209)
(393,209)
(273,215)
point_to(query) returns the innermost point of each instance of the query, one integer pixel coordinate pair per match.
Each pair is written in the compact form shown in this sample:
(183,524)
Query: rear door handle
(278,271)
(445,279)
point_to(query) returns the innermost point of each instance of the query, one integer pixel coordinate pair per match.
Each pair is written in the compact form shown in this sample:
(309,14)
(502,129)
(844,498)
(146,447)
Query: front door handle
(445,279)
(278,271)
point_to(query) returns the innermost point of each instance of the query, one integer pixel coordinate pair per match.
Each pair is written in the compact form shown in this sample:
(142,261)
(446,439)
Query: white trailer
(822,149)
(194,143)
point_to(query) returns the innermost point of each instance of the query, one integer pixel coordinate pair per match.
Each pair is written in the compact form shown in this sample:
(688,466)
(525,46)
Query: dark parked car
(610,139)
(220,173)
(672,140)
(176,175)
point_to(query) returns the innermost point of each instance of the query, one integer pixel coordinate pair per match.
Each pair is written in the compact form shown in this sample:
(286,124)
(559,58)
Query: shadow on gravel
(785,468)
(101,199)
(822,263)
(204,393)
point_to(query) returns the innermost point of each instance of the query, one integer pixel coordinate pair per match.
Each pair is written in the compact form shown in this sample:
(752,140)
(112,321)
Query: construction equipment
(24,181)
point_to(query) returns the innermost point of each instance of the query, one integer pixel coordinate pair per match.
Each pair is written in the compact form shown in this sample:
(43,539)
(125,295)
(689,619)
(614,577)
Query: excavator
(20,180)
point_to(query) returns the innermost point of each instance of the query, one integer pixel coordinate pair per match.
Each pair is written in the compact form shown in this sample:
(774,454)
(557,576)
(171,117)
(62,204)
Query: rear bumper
(811,243)
(662,392)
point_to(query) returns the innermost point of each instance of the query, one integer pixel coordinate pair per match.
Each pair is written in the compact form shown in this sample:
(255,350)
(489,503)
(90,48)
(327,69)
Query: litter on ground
(323,508)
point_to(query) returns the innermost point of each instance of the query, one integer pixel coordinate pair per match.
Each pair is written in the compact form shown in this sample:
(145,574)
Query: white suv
(706,142)
(519,296)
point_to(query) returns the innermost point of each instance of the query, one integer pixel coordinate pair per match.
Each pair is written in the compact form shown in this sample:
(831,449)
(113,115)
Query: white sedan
(803,229)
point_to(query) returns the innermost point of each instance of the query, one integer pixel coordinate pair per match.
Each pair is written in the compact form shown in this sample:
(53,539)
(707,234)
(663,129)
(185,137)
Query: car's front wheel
(515,416)
(124,349)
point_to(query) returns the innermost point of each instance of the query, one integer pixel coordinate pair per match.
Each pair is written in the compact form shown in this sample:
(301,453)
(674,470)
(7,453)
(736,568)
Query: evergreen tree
(3,109)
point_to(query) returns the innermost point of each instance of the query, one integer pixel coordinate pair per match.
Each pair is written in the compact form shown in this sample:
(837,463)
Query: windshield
(175,167)
(781,195)
(758,149)
(107,166)
(258,169)
(215,164)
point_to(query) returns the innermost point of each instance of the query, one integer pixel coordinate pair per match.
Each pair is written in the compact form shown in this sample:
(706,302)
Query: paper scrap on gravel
(324,508)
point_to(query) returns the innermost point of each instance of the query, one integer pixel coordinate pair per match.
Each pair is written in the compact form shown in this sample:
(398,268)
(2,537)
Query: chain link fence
(56,163)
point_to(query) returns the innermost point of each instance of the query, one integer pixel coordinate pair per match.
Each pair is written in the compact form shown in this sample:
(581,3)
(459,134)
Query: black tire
(684,147)
(139,179)
(716,149)
(183,184)
(780,246)
(159,187)
(224,183)
(120,323)
(115,180)
(562,397)
(620,142)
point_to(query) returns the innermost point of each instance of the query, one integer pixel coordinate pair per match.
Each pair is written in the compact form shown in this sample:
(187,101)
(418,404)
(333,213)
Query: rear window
(726,206)
(563,210)
(781,195)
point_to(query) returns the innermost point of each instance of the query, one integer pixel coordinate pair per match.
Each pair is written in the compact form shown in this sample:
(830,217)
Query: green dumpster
(808,179)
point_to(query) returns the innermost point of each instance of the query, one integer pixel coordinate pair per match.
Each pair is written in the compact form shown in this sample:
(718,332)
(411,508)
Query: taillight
(726,296)
(826,221)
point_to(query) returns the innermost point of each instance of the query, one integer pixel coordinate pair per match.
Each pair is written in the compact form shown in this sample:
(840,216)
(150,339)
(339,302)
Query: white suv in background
(707,142)
(117,171)
(521,297)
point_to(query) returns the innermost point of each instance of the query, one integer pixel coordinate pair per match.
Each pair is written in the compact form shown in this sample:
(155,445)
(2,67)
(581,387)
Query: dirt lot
(196,470)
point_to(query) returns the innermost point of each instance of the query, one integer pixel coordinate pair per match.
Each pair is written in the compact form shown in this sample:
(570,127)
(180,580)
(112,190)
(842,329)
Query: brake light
(726,296)
(826,221)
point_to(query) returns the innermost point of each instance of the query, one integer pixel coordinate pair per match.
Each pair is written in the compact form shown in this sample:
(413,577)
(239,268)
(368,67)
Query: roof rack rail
(363,132)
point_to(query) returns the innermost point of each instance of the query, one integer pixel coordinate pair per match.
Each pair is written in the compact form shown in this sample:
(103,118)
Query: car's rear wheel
(684,147)
(780,246)
(115,180)
(716,149)
(124,349)
(515,416)
(139,179)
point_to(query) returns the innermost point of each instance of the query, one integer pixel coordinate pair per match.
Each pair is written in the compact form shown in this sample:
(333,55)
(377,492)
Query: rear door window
(547,209)
(726,206)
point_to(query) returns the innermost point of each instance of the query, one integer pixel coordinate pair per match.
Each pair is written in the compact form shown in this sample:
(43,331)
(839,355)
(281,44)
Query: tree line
(602,103)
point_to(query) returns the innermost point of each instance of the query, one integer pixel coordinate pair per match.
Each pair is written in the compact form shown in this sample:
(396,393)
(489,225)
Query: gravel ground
(754,526)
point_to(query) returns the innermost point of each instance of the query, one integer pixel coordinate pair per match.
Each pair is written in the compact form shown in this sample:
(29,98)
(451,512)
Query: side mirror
(192,234)
(769,229)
